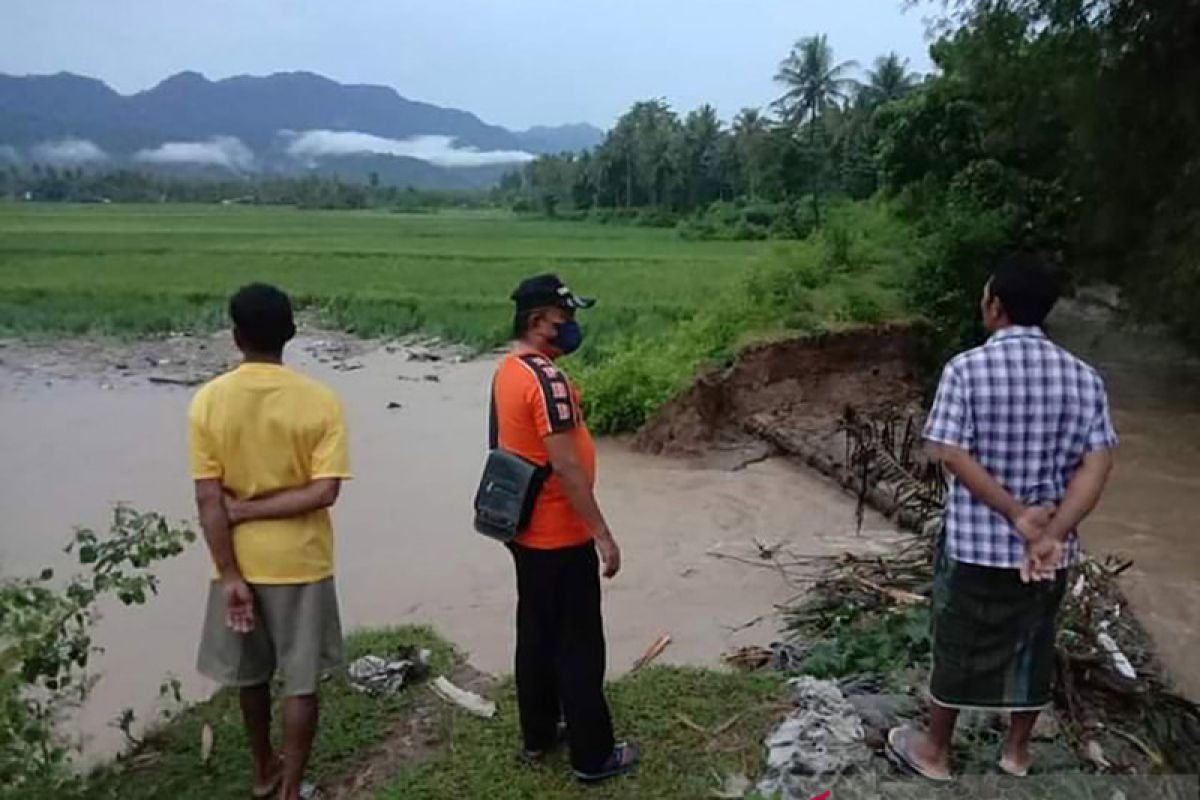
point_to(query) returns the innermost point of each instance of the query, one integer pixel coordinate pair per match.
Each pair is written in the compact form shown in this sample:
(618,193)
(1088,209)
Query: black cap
(545,291)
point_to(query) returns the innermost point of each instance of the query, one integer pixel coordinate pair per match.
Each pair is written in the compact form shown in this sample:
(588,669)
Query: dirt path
(73,446)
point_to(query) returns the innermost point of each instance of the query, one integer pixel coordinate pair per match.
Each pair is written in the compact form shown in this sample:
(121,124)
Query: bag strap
(493,420)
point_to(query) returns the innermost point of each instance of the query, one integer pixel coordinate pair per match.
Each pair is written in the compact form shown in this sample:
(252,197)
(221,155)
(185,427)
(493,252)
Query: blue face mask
(567,337)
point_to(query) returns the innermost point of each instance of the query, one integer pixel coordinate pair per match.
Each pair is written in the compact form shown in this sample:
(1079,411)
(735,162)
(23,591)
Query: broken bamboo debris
(815,452)
(655,650)
(1111,693)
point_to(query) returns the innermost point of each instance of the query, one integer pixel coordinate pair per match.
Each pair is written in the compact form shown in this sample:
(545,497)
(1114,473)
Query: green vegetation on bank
(1067,126)
(46,643)
(468,757)
(168,763)
(855,271)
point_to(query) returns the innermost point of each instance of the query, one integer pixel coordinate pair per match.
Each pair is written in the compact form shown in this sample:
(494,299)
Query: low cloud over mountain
(439,150)
(219,151)
(284,123)
(68,152)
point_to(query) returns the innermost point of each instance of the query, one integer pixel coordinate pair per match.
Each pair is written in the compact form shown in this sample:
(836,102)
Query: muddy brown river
(406,554)
(1151,511)
(406,550)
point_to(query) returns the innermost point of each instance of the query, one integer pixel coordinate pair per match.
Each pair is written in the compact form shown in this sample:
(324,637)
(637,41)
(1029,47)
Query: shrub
(862,307)
(735,221)
(636,375)
(656,218)
(760,216)
(861,644)
(746,231)
(695,229)
(46,642)
(963,244)
(782,286)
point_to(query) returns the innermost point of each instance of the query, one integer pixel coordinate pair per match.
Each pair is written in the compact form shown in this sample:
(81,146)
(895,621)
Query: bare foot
(916,751)
(1016,762)
(268,778)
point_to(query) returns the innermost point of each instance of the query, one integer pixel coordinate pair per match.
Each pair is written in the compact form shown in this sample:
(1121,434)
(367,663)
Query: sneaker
(624,759)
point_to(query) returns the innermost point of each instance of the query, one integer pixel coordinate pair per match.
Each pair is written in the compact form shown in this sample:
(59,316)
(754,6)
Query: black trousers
(561,652)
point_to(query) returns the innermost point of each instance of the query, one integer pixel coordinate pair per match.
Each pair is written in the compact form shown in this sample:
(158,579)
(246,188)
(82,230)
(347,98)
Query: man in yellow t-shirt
(267,448)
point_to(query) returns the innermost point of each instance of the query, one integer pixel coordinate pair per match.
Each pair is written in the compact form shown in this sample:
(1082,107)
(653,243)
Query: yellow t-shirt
(259,429)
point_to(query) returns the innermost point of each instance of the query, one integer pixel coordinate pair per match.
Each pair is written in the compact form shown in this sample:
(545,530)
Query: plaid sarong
(993,637)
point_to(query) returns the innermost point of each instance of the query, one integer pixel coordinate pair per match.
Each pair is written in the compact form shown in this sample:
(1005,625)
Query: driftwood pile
(1113,699)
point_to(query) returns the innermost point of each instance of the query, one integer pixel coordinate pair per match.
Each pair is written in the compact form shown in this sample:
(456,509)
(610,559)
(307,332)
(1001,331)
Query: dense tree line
(820,141)
(1067,125)
(1071,126)
(47,183)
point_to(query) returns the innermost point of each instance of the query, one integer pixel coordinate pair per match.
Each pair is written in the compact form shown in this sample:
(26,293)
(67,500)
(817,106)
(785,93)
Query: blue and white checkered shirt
(1028,411)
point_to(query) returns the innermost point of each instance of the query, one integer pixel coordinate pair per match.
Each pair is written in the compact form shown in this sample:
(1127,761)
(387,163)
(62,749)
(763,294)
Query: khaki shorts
(297,632)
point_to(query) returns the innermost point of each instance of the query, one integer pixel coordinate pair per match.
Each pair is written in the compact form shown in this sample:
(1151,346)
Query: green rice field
(146,270)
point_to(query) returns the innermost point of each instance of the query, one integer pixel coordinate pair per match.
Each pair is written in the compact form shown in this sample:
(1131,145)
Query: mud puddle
(78,437)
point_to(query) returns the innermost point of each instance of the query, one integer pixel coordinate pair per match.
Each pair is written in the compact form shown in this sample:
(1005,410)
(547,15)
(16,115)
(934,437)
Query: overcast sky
(512,62)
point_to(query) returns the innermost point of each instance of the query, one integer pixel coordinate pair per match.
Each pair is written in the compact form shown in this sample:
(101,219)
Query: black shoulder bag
(508,489)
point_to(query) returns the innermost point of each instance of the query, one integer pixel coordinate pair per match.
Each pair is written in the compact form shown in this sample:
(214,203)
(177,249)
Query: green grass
(477,757)
(350,724)
(136,270)
(679,761)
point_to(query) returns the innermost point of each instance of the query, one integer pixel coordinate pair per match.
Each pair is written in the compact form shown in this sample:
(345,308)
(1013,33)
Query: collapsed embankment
(849,404)
(791,396)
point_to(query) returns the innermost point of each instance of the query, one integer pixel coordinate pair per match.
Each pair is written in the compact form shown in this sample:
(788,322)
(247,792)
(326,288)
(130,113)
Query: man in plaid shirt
(1023,430)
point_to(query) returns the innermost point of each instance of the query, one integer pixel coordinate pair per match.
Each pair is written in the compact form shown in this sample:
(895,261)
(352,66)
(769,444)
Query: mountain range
(286,123)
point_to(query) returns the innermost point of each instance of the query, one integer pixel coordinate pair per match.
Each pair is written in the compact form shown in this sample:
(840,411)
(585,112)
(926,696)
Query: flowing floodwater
(406,551)
(72,446)
(1151,511)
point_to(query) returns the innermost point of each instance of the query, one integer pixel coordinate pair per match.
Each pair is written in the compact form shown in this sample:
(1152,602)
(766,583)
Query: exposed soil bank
(803,384)
(790,395)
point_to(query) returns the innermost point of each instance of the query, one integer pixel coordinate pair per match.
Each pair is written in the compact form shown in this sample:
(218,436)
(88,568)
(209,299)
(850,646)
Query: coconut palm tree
(814,84)
(889,80)
(750,130)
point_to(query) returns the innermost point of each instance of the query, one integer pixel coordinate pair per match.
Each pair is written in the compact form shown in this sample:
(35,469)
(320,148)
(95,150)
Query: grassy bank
(169,765)
(468,757)
(854,271)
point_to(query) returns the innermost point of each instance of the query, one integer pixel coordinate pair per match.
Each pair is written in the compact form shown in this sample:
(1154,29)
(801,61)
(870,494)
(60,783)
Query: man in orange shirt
(560,659)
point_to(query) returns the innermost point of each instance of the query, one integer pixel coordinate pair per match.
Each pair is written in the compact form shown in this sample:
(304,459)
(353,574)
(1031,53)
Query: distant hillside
(286,123)
(561,138)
